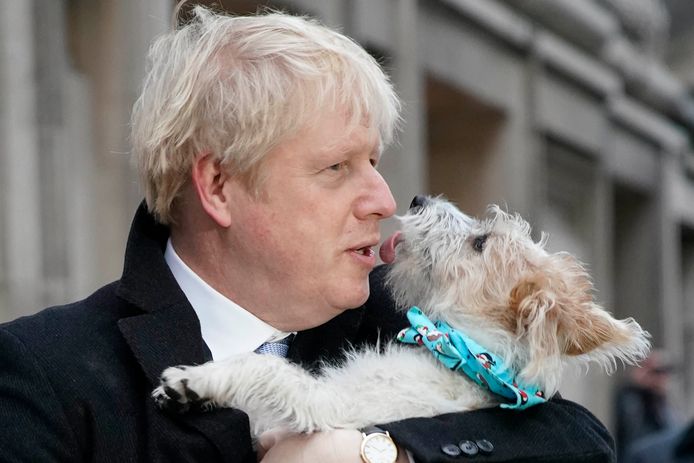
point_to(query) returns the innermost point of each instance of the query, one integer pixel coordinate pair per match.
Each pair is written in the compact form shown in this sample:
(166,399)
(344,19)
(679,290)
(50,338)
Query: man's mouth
(363,250)
(387,251)
(365,255)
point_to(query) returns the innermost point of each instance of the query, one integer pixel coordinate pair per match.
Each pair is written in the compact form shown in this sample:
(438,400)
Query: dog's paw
(176,393)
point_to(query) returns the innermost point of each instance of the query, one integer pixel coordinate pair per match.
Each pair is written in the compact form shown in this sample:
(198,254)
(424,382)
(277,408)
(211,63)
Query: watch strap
(373,430)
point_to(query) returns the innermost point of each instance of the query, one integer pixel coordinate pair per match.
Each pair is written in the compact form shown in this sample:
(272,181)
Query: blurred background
(576,113)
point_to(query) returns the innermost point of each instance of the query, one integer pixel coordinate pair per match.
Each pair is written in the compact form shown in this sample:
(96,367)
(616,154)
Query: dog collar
(460,353)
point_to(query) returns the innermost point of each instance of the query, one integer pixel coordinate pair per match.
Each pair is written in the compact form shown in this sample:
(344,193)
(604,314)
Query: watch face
(379,448)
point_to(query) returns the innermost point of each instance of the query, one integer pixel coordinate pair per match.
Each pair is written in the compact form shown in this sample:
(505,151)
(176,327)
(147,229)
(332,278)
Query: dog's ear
(587,328)
(533,310)
(556,315)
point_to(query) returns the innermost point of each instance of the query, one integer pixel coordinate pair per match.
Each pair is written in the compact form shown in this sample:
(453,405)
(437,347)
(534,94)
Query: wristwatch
(377,446)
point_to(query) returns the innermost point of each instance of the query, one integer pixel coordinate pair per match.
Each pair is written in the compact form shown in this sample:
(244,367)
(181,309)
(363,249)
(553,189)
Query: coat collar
(167,331)
(147,281)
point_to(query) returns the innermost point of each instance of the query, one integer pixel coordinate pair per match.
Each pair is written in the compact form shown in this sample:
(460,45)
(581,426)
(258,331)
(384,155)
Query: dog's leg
(270,390)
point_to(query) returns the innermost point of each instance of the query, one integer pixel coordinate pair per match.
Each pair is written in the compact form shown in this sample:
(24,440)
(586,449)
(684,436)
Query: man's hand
(336,446)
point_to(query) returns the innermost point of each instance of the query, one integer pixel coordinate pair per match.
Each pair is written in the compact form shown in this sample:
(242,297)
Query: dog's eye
(479,242)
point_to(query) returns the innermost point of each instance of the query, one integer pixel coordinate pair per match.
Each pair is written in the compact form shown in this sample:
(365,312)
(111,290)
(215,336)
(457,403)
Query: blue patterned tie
(277,348)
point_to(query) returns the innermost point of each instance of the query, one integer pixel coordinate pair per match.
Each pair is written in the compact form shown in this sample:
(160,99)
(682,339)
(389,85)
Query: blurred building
(562,110)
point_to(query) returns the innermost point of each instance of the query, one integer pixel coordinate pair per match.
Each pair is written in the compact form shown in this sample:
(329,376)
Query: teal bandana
(460,353)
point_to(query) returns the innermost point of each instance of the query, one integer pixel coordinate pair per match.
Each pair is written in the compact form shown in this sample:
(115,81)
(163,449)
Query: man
(641,403)
(257,140)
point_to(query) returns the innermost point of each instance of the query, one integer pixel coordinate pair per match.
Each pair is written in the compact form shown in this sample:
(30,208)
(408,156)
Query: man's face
(303,250)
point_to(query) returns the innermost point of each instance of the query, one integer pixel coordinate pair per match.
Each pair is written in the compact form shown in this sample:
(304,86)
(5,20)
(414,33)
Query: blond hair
(235,87)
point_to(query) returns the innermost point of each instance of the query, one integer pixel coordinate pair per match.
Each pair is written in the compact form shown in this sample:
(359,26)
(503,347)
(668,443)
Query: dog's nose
(418,201)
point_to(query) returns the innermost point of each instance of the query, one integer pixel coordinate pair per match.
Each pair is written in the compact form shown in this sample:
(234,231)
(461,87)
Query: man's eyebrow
(345,148)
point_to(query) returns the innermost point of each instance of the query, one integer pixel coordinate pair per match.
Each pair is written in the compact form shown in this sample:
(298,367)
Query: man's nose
(379,201)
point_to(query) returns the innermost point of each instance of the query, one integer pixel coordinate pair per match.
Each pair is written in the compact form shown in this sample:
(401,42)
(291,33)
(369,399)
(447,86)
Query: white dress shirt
(226,327)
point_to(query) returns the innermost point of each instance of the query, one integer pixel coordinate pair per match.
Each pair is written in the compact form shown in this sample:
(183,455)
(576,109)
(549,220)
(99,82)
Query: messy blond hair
(235,87)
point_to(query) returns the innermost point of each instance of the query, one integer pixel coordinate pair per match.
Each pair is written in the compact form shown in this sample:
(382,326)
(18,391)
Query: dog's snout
(418,202)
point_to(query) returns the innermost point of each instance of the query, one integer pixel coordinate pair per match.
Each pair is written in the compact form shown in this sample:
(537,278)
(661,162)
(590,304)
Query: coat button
(468,447)
(451,450)
(485,446)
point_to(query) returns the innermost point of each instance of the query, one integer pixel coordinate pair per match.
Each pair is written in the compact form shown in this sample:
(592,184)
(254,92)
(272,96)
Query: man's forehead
(355,139)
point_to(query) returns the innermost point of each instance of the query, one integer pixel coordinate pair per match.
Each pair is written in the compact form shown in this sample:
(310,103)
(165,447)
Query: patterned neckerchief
(460,353)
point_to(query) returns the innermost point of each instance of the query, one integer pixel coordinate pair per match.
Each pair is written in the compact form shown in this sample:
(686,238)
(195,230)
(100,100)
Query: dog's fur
(533,308)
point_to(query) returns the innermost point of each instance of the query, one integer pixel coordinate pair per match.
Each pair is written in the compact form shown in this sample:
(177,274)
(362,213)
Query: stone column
(404,166)
(57,166)
(20,186)
(112,38)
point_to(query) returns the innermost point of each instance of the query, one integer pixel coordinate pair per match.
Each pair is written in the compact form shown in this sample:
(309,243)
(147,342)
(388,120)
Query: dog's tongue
(387,251)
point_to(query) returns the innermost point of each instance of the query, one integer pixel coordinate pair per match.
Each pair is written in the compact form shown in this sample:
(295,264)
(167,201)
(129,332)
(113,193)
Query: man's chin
(358,298)
(350,297)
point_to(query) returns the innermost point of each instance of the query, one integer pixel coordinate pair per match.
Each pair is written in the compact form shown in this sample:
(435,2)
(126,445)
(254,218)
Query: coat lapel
(172,337)
(163,339)
(166,332)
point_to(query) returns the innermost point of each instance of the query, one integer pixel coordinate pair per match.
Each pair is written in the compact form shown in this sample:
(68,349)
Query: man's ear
(210,180)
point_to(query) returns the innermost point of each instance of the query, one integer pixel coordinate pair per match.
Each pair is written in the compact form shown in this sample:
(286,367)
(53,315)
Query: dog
(484,281)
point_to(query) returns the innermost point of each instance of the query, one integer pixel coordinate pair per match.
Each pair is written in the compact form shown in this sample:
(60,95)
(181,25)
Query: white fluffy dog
(487,279)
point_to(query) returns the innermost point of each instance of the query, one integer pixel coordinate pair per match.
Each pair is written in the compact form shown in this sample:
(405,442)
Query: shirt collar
(226,327)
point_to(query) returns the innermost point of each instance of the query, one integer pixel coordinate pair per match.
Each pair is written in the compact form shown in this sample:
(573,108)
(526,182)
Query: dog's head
(491,280)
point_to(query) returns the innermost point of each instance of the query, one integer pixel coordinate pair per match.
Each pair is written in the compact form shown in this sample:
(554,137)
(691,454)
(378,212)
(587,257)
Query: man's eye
(337,167)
